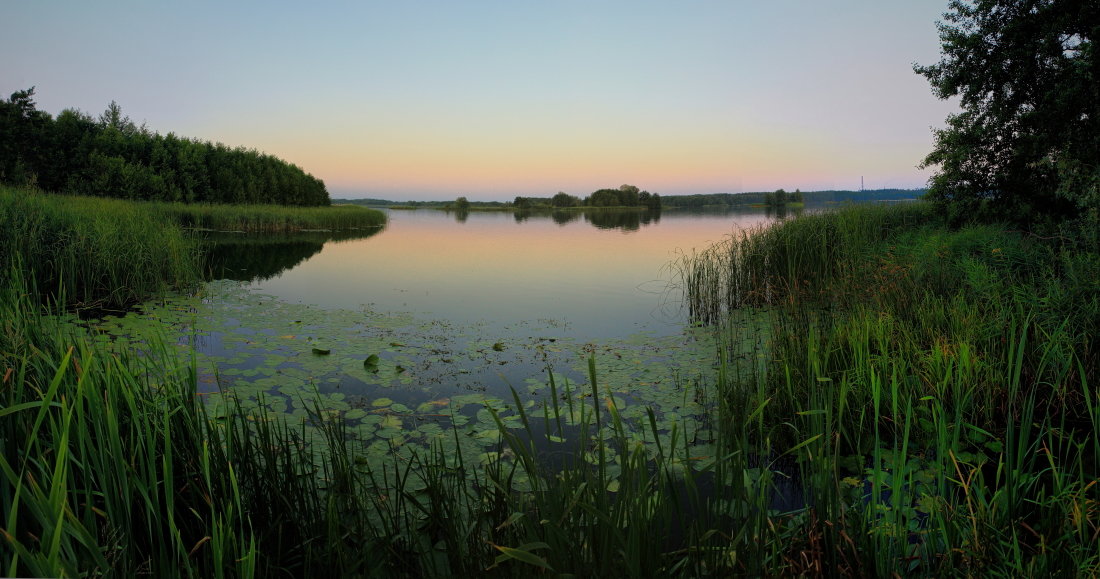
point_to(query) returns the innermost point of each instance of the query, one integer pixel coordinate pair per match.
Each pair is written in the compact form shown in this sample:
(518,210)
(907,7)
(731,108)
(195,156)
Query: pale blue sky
(423,100)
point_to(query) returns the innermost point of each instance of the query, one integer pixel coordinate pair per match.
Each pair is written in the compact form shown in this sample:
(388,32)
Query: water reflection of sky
(492,268)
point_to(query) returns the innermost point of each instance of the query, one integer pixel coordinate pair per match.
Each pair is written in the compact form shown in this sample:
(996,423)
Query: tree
(462,204)
(604,198)
(1027,142)
(628,195)
(23,138)
(563,199)
(112,118)
(780,197)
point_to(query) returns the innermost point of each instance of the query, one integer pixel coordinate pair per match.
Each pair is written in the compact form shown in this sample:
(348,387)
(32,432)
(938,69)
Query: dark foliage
(624,196)
(1026,145)
(112,157)
(809,197)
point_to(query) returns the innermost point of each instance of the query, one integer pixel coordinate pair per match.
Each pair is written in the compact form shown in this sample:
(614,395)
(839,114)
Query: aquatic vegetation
(269,218)
(91,252)
(931,382)
(924,405)
(96,253)
(431,377)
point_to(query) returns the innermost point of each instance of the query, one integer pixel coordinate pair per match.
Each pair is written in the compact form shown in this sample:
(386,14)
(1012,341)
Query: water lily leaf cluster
(400,383)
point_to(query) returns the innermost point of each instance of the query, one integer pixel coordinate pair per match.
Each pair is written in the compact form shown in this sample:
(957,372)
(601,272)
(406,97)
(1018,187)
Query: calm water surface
(410,334)
(591,277)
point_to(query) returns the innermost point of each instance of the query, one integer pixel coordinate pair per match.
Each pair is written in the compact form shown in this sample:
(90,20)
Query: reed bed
(269,218)
(100,253)
(807,256)
(932,413)
(93,252)
(936,385)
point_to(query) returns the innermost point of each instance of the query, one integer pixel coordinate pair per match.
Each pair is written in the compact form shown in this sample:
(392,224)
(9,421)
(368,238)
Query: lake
(439,320)
(596,275)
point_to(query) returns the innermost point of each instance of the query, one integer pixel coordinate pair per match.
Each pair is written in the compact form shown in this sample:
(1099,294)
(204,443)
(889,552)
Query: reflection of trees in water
(563,217)
(625,220)
(254,257)
(781,211)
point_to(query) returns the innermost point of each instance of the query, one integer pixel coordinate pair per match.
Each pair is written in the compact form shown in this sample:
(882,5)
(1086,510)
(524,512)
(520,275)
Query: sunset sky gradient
(432,100)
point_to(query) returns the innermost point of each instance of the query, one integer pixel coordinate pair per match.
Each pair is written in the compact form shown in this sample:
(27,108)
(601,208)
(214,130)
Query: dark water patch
(259,257)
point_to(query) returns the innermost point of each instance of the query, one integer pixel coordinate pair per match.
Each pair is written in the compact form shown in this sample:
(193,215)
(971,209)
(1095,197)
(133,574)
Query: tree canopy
(112,157)
(1027,142)
(624,196)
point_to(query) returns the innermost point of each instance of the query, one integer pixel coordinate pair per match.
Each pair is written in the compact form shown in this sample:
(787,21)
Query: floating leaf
(322,351)
(371,360)
(381,402)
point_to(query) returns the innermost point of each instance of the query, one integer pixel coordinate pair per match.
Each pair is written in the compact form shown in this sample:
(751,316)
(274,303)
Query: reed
(94,252)
(932,383)
(269,218)
(925,407)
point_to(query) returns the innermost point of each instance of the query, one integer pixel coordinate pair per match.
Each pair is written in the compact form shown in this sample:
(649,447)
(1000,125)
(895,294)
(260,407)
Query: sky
(424,100)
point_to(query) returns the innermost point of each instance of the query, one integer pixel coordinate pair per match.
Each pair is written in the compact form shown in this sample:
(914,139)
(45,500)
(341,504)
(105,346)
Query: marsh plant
(110,253)
(890,397)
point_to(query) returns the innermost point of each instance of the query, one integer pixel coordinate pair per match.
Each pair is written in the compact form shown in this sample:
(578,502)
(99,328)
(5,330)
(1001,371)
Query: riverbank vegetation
(901,390)
(937,386)
(112,156)
(907,398)
(563,200)
(780,198)
(624,197)
(94,252)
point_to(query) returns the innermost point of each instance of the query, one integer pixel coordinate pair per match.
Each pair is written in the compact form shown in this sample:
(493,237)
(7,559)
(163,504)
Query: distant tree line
(110,156)
(781,198)
(624,196)
(772,198)
(565,200)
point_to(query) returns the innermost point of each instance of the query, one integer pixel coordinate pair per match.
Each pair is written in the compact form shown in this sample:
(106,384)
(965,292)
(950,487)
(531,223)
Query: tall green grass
(924,404)
(108,253)
(93,252)
(111,465)
(269,218)
(936,386)
(804,257)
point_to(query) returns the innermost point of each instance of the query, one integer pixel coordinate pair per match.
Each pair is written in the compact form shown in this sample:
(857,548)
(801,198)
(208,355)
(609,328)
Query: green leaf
(524,554)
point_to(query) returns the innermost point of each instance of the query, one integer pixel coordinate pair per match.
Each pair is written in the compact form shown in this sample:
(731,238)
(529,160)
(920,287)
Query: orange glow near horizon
(494,168)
